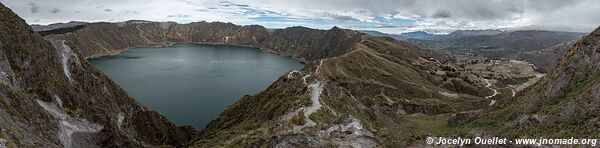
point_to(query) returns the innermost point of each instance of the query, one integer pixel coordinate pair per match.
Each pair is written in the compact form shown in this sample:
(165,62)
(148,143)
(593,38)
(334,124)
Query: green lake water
(190,83)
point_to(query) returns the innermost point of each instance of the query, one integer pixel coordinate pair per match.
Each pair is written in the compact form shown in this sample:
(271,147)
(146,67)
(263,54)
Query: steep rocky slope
(563,104)
(545,59)
(51,97)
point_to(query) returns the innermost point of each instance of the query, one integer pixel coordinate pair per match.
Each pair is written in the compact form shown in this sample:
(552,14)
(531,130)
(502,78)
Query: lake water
(190,83)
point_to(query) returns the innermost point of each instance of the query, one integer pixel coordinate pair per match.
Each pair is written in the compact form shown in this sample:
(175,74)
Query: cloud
(386,26)
(440,13)
(129,12)
(339,17)
(55,10)
(390,15)
(179,16)
(33,7)
(373,26)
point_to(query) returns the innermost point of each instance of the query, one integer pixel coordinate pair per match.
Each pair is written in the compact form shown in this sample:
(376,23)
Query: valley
(542,48)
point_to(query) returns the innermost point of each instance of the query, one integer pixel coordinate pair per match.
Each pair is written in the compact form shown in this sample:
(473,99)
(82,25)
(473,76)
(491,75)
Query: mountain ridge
(541,47)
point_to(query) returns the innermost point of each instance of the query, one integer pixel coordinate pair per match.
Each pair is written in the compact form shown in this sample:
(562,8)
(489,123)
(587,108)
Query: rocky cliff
(51,97)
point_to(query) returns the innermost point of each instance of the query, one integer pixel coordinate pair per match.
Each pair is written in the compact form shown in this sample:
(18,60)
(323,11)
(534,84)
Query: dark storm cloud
(55,10)
(33,7)
(467,10)
(440,13)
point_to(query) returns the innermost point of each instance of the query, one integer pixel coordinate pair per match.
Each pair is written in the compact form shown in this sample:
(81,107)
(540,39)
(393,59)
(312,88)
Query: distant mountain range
(517,44)
(403,36)
(490,35)
(520,40)
(422,35)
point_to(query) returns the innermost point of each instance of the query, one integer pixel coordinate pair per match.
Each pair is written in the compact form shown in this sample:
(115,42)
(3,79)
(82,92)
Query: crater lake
(192,83)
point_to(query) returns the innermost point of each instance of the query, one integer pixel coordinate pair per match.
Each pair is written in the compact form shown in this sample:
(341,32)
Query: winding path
(489,86)
(315,92)
(142,35)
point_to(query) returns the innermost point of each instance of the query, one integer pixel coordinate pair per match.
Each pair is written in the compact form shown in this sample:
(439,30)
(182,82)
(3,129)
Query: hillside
(542,48)
(563,104)
(50,97)
(544,59)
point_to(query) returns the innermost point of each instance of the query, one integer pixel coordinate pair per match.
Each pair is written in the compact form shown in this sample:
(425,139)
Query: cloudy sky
(390,16)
